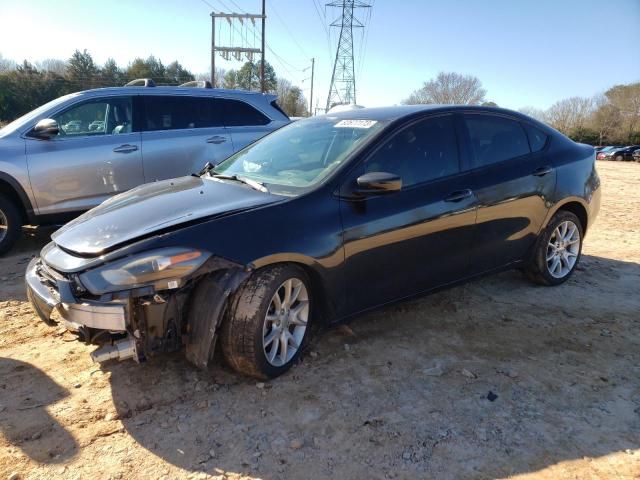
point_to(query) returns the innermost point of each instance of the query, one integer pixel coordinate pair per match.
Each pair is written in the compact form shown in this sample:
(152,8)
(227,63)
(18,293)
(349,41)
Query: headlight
(164,269)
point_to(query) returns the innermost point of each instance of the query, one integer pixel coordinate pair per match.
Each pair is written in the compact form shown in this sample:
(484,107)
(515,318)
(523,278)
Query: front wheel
(267,323)
(558,250)
(10,224)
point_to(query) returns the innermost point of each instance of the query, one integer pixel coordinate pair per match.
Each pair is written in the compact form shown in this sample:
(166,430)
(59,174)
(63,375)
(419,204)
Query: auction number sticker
(355,123)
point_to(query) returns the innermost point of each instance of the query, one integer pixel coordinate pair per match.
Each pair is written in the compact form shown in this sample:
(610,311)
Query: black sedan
(623,153)
(317,222)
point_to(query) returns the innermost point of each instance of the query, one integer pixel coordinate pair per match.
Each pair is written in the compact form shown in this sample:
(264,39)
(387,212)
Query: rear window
(180,113)
(240,114)
(537,138)
(495,139)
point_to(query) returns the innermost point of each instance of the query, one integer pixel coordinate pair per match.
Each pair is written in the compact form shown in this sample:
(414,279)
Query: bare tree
(52,65)
(606,119)
(570,116)
(291,99)
(6,64)
(626,98)
(536,113)
(449,88)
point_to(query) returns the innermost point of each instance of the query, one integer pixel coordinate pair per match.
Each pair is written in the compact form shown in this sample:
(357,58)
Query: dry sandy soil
(400,393)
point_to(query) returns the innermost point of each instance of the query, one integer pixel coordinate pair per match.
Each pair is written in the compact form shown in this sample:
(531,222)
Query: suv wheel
(267,324)
(558,250)
(10,224)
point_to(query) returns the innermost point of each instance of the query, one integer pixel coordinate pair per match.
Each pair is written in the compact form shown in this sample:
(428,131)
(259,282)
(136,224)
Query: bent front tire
(267,323)
(558,250)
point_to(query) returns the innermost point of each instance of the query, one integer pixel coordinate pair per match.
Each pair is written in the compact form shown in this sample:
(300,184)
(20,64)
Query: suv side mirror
(379,182)
(46,128)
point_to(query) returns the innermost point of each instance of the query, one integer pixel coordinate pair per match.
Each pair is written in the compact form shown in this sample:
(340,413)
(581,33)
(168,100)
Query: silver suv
(78,150)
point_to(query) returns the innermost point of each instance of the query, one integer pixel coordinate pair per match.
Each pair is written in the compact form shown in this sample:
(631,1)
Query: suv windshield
(300,155)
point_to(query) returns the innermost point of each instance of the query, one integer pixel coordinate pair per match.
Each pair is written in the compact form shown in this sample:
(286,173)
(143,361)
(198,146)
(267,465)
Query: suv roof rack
(197,84)
(141,82)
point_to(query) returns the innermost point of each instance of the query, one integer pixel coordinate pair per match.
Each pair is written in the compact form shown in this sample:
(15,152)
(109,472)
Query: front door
(513,184)
(181,134)
(95,155)
(402,243)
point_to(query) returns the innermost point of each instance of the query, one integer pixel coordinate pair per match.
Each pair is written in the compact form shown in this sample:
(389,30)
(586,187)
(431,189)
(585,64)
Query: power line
(324,26)
(272,6)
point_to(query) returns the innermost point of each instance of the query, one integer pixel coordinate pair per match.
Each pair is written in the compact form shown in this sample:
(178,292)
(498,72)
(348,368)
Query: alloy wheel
(285,323)
(4,225)
(563,249)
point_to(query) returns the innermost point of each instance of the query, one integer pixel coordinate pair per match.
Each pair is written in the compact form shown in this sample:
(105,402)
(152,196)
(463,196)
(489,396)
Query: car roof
(175,90)
(397,112)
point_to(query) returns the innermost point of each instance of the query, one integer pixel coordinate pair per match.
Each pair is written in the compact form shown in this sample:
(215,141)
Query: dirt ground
(400,393)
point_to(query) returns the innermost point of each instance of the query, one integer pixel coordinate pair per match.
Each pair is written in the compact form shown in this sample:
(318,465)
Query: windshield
(28,117)
(300,155)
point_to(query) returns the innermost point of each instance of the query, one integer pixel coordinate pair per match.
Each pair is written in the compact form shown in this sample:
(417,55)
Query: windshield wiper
(247,181)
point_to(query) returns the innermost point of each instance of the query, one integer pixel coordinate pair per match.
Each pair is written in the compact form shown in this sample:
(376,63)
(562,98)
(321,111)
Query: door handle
(458,195)
(126,148)
(542,171)
(217,139)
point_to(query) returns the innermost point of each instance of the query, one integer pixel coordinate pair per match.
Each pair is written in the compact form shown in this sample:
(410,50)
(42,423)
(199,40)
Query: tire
(10,224)
(619,158)
(253,327)
(547,272)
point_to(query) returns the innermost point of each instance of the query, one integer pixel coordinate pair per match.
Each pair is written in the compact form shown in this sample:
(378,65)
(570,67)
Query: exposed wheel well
(579,211)
(9,192)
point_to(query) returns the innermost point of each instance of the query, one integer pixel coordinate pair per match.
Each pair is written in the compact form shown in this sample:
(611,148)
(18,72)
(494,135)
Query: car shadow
(14,263)
(26,393)
(404,391)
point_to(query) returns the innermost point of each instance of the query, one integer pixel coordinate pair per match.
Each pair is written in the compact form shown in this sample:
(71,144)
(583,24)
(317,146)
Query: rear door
(514,181)
(180,134)
(245,123)
(402,243)
(95,155)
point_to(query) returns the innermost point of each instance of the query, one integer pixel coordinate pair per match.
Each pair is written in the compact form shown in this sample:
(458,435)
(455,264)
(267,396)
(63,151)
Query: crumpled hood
(155,207)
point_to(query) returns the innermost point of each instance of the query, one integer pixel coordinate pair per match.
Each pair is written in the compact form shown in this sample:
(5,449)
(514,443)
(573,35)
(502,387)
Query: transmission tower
(343,80)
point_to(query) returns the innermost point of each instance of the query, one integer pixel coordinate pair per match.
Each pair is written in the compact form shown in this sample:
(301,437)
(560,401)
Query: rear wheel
(10,224)
(267,324)
(558,250)
(619,158)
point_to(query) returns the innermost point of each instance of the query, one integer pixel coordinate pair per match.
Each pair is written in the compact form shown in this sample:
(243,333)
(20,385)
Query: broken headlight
(164,269)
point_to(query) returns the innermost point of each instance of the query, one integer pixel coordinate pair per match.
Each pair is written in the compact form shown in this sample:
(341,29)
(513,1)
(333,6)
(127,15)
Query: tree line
(25,86)
(612,117)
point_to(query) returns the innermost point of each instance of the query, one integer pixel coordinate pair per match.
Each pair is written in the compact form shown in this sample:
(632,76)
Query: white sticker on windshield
(355,123)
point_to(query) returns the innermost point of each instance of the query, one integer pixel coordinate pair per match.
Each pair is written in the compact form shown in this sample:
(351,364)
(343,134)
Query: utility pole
(264,17)
(342,90)
(213,51)
(313,63)
(245,49)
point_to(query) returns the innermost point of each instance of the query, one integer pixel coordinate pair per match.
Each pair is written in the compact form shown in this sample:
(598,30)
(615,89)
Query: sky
(526,53)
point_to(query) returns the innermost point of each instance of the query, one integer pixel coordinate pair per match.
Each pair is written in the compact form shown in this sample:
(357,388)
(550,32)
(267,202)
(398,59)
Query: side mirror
(46,128)
(379,182)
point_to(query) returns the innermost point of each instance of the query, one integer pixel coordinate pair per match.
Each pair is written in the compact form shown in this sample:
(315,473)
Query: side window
(179,113)
(97,117)
(240,114)
(537,138)
(495,139)
(424,151)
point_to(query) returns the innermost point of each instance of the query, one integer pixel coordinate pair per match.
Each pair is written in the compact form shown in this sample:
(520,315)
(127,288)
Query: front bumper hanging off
(44,293)
(45,298)
(139,322)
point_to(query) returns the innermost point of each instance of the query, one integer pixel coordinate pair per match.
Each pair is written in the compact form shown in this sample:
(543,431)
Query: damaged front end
(136,305)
